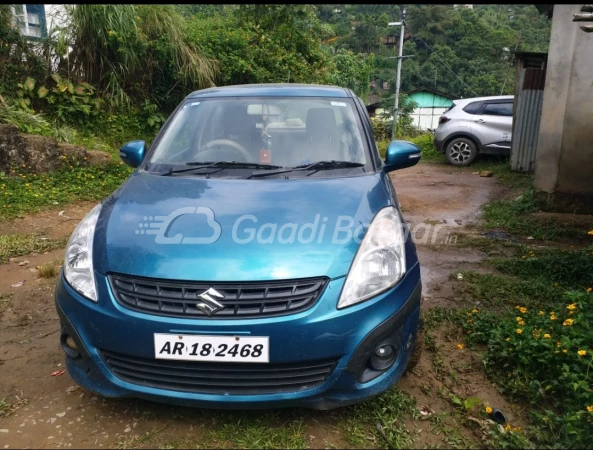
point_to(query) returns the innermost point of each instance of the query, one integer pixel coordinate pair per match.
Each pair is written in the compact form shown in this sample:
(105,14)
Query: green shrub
(424,141)
(26,192)
(546,356)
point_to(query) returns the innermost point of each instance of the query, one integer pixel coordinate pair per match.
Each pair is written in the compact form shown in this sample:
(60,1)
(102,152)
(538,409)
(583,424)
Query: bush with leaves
(544,354)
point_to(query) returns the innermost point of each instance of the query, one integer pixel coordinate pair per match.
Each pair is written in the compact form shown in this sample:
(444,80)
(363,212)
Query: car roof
(463,101)
(273,90)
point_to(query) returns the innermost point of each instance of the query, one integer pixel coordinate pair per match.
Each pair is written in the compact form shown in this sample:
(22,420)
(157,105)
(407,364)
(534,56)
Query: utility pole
(399,70)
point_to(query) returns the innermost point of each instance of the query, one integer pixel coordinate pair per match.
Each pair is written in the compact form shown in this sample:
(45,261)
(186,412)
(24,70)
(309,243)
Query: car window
(279,131)
(498,109)
(473,107)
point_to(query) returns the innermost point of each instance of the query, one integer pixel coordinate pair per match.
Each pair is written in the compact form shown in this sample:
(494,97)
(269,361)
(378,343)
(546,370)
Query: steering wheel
(231,145)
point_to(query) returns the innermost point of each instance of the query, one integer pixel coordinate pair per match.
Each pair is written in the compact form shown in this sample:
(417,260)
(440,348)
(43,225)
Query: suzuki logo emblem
(209,305)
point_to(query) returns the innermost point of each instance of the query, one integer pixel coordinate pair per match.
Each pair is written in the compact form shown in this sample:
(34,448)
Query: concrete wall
(564,162)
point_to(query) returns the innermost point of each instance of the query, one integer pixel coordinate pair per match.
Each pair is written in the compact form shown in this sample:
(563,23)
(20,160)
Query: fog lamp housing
(383,357)
(69,345)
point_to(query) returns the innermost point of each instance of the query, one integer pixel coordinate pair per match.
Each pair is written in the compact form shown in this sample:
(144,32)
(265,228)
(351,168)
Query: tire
(417,352)
(461,151)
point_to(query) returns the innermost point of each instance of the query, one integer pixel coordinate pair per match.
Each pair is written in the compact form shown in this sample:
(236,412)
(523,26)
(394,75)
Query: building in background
(564,159)
(34,21)
(430,106)
(30,20)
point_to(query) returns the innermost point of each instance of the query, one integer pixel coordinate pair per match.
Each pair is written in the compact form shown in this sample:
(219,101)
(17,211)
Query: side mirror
(132,153)
(401,154)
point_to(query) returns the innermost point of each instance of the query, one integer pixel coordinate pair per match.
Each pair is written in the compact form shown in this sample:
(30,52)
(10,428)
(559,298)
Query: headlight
(380,261)
(78,263)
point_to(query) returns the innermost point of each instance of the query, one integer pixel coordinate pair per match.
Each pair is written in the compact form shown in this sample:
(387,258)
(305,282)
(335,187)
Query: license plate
(211,348)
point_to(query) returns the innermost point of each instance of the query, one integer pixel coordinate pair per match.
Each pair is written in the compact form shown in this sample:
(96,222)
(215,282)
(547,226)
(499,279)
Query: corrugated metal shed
(529,95)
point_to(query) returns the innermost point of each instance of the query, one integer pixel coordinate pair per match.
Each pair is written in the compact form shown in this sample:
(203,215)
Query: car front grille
(219,378)
(240,300)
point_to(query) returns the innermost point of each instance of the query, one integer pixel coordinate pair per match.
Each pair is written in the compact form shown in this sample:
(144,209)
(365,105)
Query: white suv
(475,125)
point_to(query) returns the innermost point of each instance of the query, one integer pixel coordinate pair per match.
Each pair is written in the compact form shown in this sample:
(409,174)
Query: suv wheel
(461,152)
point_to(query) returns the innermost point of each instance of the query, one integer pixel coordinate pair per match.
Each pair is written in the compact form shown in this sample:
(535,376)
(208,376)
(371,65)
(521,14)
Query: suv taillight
(443,119)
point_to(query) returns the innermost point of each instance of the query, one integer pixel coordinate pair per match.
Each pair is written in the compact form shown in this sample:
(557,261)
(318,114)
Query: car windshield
(279,132)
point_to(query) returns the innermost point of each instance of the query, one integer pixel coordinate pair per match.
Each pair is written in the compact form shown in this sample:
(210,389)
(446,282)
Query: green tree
(351,71)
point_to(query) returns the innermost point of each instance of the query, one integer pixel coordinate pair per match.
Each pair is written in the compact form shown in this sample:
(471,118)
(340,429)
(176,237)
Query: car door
(493,125)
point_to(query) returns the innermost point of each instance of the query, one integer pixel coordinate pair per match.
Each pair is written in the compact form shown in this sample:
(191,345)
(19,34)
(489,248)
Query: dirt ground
(51,411)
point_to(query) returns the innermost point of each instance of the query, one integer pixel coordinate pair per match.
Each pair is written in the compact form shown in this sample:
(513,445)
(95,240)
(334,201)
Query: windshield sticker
(339,104)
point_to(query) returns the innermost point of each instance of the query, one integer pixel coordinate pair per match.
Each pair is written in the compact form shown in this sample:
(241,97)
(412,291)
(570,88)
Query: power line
(443,62)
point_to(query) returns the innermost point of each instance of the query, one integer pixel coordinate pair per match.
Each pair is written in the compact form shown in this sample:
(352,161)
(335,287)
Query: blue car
(255,258)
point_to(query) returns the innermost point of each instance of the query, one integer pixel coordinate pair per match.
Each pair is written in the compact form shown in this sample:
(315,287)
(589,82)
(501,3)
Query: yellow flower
(508,428)
(541,313)
(590,232)
(474,311)
(517,307)
(488,410)
(564,350)
(519,331)
(552,316)
(469,321)
(570,312)
(523,256)
(589,289)
(519,319)
(547,336)
(590,408)
(508,339)
(460,346)
(582,352)
(572,306)
(558,344)
(523,310)
(568,322)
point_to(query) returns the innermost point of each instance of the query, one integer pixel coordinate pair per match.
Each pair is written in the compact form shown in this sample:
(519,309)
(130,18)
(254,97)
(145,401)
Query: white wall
(422,118)
(425,118)
(55,16)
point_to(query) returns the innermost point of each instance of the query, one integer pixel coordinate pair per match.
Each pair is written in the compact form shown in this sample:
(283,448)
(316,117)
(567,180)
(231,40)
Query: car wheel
(461,152)
(417,352)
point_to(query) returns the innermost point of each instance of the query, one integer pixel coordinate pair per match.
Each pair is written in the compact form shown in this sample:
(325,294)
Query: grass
(516,217)
(228,429)
(262,430)
(537,339)
(492,246)
(503,291)
(4,407)
(50,269)
(28,192)
(501,168)
(379,422)
(4,302)
(23,244)
(568,269)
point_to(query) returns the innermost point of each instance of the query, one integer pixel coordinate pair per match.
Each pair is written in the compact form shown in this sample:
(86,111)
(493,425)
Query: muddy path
(52,412)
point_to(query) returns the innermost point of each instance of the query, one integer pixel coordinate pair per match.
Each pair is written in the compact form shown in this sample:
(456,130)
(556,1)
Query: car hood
(193,228)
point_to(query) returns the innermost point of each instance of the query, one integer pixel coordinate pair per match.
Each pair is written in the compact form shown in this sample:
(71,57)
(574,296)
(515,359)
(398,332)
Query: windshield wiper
(219,164)
(316,167)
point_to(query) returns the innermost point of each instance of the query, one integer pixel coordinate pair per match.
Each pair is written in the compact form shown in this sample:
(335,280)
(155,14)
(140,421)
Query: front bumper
(349,336)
